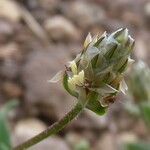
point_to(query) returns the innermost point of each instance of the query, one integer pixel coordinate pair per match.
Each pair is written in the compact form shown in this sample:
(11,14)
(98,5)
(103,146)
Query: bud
(97,72)
(121,35)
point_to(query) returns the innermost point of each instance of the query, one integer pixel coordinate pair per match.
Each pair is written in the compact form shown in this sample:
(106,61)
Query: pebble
(9,10)
(60,28)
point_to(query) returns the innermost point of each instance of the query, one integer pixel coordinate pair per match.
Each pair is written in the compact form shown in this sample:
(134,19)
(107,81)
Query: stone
(60,28)
(147,9)
(26,129)
(6,30)
(141,45)
(141,129)
(9,51)
(48,99)
(77,141)
(99,122)
(11,90)
(52,143)
(127,137)
(107,141)
(83,14)
(147,14)
(91,121)
(10,56)
(132,18)
(9,69)
(50,5)
(9,10)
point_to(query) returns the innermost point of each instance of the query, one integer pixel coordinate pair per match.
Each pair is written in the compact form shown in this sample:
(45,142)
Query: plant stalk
(56,127)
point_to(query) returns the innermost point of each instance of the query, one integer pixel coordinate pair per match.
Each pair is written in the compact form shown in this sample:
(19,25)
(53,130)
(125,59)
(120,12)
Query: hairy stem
(53,129)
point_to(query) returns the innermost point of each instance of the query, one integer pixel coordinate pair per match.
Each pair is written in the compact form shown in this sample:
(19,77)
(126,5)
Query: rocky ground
(37,37)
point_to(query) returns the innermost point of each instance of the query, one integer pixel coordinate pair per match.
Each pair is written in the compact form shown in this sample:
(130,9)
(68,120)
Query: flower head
(97,72)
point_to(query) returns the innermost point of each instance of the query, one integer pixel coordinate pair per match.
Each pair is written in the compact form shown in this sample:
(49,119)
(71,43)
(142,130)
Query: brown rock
(52,143)
(132,18)
(147,9)
(141,129)
(6,30)
(59,28)
(127,137)
(12,89)
(142,45)
(90,121)
(40,67)
(99,122)
(10,51)
(26,129)
(10,55)
(50,5)
(107,141)
(9,69)
(30,127)
(147,14)
(83,13)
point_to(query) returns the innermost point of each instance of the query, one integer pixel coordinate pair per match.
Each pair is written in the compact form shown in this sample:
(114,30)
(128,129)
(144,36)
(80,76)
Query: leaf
(104,70)
(88,40)
(82,95)
(78,57)
(123,87)
(106,89)
(110,50)
(100,39)
(3,147)
(130,61)
(65,84)
(89,73)
(145,111)
(101,61)
(94,105)
(121,35)
(137,146)
(92,52)
(5,142)
(4,132)
(84,62)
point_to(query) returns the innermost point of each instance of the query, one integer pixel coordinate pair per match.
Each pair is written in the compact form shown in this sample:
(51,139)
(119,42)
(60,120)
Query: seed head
(97,72)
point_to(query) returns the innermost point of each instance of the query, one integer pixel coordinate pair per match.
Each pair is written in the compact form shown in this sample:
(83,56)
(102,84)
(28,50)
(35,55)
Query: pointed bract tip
(88,40)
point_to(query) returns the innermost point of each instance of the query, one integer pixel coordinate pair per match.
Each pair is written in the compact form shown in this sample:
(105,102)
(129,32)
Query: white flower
(77,79)
(73,67)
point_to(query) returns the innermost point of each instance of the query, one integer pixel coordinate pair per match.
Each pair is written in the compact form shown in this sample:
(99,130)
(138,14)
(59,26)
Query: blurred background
(37,38)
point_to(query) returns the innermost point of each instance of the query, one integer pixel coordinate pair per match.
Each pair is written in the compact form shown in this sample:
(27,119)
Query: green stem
(56,127)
